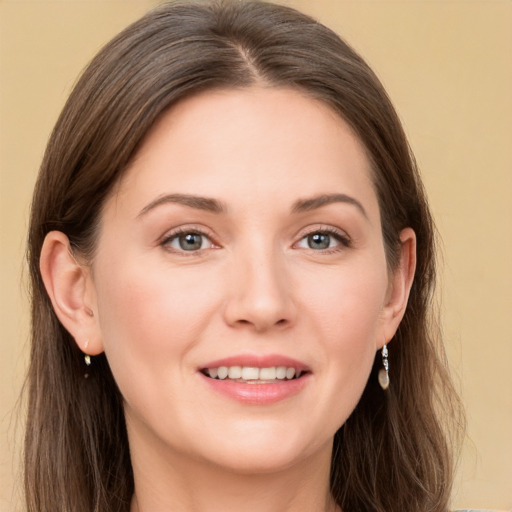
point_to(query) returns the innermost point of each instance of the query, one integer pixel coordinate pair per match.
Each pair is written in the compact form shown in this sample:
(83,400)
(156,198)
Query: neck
(180,484)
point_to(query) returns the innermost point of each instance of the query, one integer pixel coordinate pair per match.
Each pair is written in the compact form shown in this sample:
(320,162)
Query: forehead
(257,143)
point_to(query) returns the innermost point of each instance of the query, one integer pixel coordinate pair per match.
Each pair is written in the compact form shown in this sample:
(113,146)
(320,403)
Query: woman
(227,232)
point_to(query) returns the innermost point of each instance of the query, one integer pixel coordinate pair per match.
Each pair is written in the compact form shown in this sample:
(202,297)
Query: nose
(260,293)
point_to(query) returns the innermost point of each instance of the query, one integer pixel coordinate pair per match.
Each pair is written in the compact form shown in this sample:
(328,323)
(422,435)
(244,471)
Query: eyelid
(340,234)
(185,229)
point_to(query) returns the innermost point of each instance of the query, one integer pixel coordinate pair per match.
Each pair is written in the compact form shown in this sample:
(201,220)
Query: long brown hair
(392,454)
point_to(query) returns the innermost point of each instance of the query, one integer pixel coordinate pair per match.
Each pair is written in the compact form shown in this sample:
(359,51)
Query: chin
(244,463)
(265,451)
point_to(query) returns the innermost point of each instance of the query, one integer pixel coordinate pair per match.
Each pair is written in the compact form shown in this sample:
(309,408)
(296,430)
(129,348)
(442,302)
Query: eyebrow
(199,203)
(312,203)
(214,206)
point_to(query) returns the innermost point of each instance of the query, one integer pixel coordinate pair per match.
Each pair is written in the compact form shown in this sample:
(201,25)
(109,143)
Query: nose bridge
(260,295)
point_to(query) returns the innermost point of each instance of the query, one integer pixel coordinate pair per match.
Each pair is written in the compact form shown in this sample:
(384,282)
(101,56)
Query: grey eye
(324,240)
(319,241)
(189,242)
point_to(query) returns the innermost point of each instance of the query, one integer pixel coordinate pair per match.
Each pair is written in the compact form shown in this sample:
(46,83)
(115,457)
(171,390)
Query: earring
(87,359)
(384,372)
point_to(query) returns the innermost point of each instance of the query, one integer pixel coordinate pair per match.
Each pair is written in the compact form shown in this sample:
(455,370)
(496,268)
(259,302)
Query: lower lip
(258,394)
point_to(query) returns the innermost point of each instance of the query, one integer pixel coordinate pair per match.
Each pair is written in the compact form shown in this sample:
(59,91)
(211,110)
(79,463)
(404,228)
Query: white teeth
(268,373)
(281,372)
(251,373)
(222,372)
(235,372)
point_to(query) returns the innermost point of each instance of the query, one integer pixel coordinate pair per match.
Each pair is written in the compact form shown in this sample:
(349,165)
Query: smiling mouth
(253,375)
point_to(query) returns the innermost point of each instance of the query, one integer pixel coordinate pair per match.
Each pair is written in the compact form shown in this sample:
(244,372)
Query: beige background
(448,67)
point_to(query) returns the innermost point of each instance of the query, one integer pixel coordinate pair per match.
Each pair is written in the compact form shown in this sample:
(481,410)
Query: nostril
(258,309)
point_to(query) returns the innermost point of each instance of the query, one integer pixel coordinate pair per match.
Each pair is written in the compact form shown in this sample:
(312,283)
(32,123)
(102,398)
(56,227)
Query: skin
(256,285)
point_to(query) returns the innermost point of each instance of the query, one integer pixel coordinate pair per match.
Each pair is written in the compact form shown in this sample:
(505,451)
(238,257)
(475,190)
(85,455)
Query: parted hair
(394,453)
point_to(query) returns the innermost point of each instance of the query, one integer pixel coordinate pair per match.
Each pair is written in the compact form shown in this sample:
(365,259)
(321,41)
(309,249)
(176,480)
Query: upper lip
(257,361)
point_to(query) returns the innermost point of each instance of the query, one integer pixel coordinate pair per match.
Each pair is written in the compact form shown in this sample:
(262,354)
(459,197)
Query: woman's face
(245,239)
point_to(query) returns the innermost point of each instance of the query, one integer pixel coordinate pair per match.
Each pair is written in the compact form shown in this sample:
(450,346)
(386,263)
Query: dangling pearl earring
(384,372)
(87,358)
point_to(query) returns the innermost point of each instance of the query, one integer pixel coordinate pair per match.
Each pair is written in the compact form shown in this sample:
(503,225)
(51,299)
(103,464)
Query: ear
(400,283)
(71,290)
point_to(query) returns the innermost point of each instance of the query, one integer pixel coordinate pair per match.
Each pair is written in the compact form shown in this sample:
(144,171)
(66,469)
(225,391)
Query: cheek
(348,307)
(150,319)
(350,323)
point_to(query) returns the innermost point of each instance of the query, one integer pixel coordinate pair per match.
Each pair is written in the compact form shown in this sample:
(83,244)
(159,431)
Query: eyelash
(166,241)
(339,236)
(344,240)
